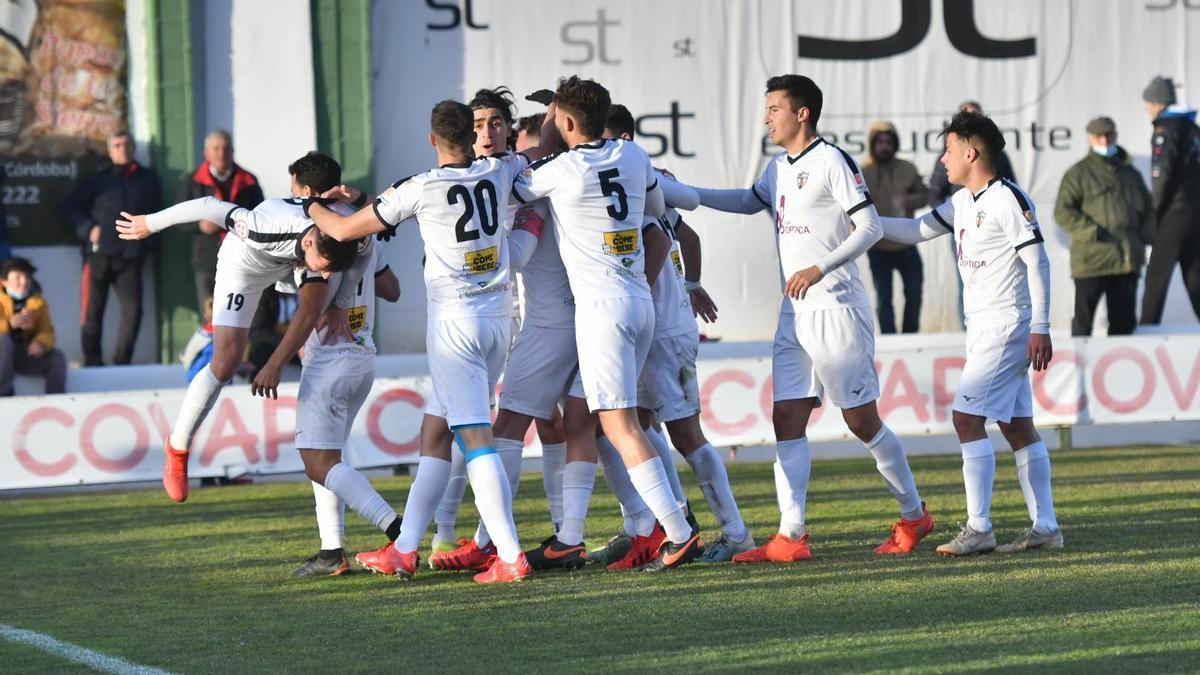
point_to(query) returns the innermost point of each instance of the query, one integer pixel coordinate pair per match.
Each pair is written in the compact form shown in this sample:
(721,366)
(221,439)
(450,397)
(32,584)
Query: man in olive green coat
(1104,205)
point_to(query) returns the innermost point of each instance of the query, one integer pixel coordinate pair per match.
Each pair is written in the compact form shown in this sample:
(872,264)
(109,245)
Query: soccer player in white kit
(599,192)
(263,246)
(458,208)
(825,343)
(334,382)
(1006,295)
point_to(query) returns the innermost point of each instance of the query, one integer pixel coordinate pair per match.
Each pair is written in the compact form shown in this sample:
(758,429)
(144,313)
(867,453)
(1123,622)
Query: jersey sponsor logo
(792,229)
(621,242)
(801,179)
(481,261)
(677,261)
(357,318)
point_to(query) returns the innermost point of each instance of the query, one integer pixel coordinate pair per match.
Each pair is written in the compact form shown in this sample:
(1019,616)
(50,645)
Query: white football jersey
(548,300)
(812,197)
(273,229)
(989,228)
(461,209)
(353,356)
(672,304)
(597,195)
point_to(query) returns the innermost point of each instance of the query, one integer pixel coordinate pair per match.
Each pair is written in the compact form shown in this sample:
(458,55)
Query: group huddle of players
(602,350)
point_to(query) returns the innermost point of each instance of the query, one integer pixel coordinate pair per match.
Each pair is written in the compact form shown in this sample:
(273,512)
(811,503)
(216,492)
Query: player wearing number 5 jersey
(263,246)
(457,207)
(599,193)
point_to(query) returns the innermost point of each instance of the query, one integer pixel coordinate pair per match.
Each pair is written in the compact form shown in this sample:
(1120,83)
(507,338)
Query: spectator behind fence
(1104,205)
(940,190)
(271,318)
(896,187)
(93,207)
(5,245)
(217,176)
(26,331)
(1175,184)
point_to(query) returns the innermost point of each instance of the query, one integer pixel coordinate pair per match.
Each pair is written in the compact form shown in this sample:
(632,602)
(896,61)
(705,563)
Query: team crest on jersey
(621,242)
(979,218)
(481,261)
(241,228)
(801,179)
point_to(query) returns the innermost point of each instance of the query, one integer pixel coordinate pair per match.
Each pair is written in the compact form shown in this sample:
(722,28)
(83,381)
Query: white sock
(578,479)
(1033,471)
(423,497)
(446,515)
(510,456)
(202,393)
(331,517)
(979,471)
(668,461)
(655,489)
(554,456)
(793,466)
(639,521)
(493,499)
(714,483)
(893,466)
(355,490)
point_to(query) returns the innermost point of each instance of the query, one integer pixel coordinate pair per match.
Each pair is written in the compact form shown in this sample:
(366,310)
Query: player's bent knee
(969,427)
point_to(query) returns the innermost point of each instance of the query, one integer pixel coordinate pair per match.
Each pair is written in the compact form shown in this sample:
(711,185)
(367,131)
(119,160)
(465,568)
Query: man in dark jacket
(217,176)
(1104,205)
(1175,183)
(94,206)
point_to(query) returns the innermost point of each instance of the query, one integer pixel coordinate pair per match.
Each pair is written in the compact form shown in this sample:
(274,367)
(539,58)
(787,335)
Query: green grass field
(204,586)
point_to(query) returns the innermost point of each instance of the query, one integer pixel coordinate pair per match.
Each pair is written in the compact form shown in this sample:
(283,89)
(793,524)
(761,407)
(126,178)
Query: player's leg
(565,549)
(1033,473)
(662,448)
(796,391)
(710,471)
(554,454)
(435,433)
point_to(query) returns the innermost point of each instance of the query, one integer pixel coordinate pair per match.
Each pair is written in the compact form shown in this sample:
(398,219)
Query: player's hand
(1040,351)
(343,193)
(266,382)
(334,326)
(543,96)
(703,305)
(209,227)
(666,173)
(35,350)
(797,287)
(133,227)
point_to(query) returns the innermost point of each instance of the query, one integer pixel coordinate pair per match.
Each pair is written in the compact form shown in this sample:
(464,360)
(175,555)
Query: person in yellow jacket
(26,331)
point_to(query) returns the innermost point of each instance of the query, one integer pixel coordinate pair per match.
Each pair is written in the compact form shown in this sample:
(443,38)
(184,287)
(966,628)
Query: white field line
(75,653)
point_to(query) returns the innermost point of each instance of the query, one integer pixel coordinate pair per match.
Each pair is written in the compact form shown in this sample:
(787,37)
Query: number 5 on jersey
(611,187)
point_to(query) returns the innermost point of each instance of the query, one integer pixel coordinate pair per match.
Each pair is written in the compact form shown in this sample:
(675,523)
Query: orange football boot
(467,557)
(906,534)
(779,548)
(387,560)
(502,572)
(644,550)
(175,467)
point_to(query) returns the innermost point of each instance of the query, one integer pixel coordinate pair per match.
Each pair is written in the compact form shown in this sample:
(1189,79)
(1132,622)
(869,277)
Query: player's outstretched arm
(205,208)
(362,223)
(550,140)
(676,194)
(266,381)
(913,230)
(1037,268)
(737,200)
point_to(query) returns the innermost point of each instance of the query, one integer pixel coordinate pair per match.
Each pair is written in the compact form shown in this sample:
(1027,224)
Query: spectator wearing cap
(1104,206)
(26,331)
(1175,184)
(93,207)
(217,176)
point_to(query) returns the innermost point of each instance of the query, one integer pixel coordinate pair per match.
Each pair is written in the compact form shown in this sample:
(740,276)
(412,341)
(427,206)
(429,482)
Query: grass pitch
(204,586)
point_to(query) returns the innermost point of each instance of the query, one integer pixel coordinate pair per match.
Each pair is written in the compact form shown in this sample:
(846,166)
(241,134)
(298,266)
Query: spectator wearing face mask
(898,191)
(1104,205)
(26,332)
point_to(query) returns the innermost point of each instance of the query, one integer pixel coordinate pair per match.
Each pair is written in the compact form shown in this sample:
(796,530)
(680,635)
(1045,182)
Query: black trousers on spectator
(1177,241)
(912,273)
(14,359)
(124,275)
(1120,295)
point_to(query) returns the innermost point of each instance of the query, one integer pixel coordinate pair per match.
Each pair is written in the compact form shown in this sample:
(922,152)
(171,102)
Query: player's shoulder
(836,156)
(543,162)
(1008,193)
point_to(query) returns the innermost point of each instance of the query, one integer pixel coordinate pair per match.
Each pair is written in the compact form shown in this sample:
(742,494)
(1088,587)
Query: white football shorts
(995,379)
(829,351)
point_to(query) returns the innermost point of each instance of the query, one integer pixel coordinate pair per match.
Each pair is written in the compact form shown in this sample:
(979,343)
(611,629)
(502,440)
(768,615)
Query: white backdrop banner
(117,437)
(693,74)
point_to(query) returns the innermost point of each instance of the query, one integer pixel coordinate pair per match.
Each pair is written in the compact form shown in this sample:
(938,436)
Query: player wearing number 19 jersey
(825,343)
(599,192)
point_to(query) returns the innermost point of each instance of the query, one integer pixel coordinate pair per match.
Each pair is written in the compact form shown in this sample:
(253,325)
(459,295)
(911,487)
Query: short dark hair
(620,120)
(340,254)
(499,98)
(18,264)
(979,130)
(802,92)
(532,125)
(587,101)
(317,171)
(453,123)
